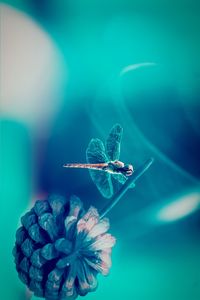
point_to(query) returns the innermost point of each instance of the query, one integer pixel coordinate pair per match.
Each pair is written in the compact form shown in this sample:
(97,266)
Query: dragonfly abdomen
(100,166)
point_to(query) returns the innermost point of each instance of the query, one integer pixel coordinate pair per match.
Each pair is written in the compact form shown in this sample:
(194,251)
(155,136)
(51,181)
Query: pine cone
(60,249)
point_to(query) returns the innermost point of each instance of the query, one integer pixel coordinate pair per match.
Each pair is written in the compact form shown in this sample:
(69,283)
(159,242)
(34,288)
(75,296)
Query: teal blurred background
(69,71)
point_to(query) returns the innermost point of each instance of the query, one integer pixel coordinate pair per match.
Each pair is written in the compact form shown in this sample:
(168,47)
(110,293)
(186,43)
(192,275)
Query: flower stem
(115,199)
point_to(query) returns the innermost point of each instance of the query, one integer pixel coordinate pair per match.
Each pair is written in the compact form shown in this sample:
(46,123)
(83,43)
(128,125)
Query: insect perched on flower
(60,248)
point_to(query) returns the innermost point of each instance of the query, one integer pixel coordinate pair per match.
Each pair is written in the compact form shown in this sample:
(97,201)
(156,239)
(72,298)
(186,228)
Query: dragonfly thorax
(117,163)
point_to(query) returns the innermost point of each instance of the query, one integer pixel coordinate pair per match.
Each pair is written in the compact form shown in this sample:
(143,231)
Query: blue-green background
(159,109)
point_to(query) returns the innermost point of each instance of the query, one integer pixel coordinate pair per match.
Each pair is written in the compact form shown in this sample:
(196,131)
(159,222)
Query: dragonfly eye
(128,169)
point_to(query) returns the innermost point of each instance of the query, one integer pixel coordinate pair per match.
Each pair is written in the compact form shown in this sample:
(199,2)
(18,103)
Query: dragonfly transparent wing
(113,142)
(122,179)
(95,153)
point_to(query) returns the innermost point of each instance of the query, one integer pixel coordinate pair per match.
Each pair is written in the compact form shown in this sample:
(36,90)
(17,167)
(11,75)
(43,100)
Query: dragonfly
(103,162)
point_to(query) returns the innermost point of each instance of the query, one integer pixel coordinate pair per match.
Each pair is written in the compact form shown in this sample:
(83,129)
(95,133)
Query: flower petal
(92,213)
(63,245)
(56,275)
(75,206)
(36,234)
(21,235)
(47,222)
(68,294)
(36,287)
(49,251)
(69,282)
(23,277)
(66,261)
(52,286)
(57,204)
(27,247)
(68,289)
(37,259)
(105,257)
(98,265)
(90,275)
(99,228)
(102,242)
(36,274)
(70,227)
(24,265)
(28,219)
(83,285)
(41,207)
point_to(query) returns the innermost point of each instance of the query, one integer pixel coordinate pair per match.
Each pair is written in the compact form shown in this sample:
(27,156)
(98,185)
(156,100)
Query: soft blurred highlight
(180,208)
(32,71)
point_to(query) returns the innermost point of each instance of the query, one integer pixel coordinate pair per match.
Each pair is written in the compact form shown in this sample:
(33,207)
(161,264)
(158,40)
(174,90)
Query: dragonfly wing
(122,179)
(113,142)
(95,153)
(103,182)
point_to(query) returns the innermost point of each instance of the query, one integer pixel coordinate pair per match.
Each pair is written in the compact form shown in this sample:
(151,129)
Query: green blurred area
(15,196)
(158,108)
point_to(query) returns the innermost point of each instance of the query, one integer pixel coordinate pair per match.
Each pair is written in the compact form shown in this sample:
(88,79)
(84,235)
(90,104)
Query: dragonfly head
(119,166)
(128,170)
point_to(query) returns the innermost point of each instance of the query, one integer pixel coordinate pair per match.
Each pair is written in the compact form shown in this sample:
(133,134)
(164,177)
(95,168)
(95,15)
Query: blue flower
(60,248)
